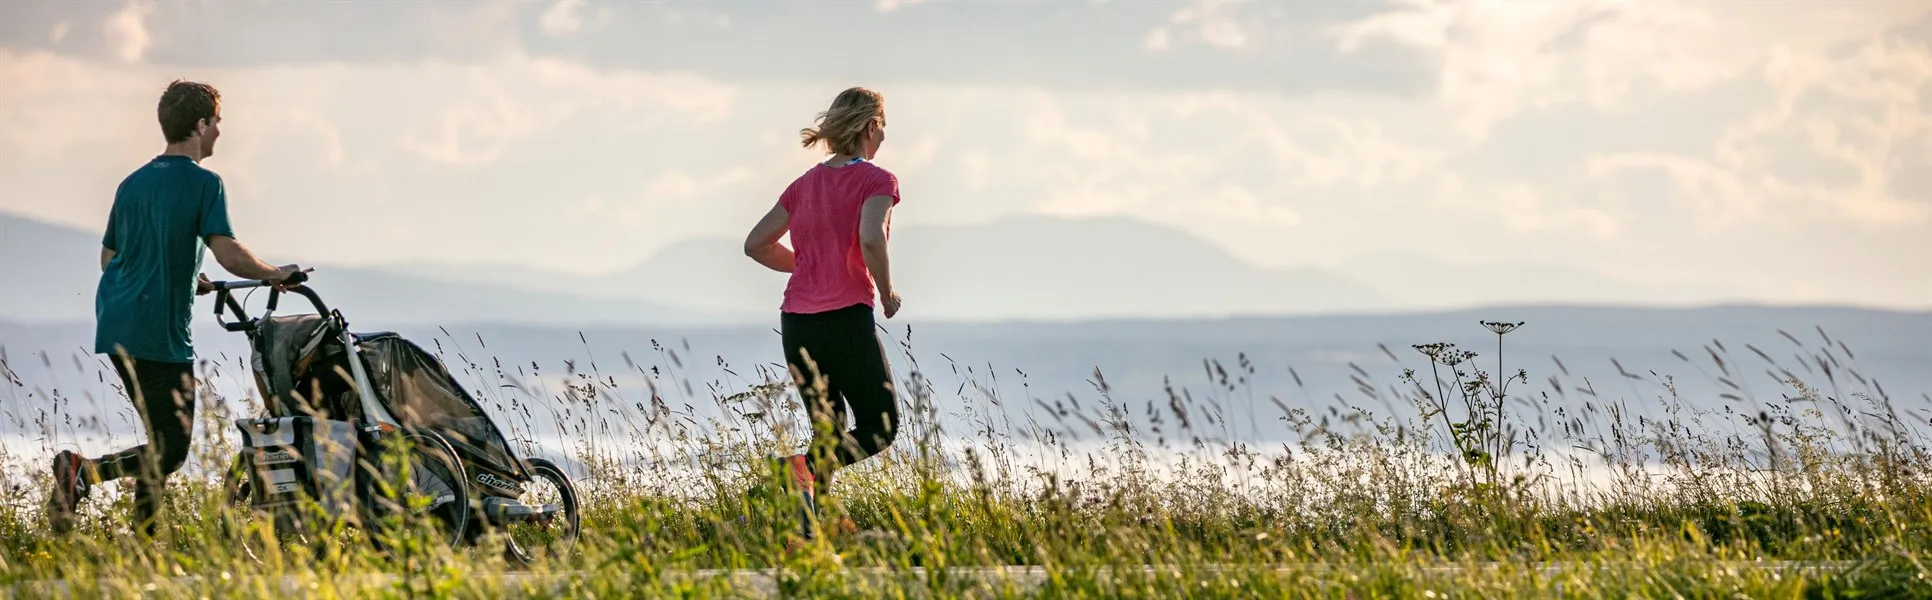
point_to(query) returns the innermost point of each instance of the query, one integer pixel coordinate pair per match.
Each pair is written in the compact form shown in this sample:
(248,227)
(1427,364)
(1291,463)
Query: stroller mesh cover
(302,370)
(413,385)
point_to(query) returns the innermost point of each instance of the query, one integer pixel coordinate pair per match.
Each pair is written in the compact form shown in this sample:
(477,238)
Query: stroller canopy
(413,385)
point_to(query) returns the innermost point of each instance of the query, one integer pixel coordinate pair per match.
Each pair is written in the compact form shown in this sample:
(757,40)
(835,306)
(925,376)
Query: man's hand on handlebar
(288,278)
(291,276)
(285,278)
(204,286)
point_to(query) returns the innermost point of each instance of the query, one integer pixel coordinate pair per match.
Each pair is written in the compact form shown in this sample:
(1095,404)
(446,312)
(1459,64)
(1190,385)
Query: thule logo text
(495,482)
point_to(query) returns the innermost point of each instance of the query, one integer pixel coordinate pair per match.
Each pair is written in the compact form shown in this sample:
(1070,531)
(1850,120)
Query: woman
(838,213)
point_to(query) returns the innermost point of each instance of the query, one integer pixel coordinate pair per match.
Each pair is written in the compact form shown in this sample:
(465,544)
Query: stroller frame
(483,474)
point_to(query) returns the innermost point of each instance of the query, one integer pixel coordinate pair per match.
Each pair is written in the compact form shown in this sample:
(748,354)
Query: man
(150,273)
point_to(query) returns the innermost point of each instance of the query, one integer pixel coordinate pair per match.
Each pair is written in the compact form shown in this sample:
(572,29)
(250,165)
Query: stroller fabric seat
(285,359)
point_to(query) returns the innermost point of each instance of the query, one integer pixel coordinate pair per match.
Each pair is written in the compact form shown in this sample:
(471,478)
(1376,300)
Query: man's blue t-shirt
(163,214)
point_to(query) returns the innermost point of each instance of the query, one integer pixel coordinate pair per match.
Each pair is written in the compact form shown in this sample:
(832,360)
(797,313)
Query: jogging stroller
(338,402)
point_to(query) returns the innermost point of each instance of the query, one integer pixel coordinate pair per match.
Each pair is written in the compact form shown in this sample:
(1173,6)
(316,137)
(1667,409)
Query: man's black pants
(164,395)
(839,353)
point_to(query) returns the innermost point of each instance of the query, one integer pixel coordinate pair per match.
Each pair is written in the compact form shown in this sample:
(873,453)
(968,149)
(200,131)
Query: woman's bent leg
(808,346)
(868,387)
(838,360)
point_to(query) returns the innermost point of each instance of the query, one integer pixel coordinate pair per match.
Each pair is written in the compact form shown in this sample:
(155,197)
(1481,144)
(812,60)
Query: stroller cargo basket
(294,460)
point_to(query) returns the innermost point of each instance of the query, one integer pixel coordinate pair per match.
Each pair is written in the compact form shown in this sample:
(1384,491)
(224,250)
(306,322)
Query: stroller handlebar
(295,278)
(225,299)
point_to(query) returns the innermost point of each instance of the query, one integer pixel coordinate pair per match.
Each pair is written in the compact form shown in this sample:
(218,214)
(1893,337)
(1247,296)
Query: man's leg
(164,395)
(75,476)
(169,424)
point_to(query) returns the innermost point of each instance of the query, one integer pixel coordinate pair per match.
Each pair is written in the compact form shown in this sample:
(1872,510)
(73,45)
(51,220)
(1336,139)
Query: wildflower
(1501,328)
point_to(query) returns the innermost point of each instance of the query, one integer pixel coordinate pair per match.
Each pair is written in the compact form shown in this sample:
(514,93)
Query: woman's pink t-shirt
(829,272)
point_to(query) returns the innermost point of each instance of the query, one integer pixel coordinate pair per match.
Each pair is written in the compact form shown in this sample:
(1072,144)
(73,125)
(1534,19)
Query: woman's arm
(873,217)
(762,243)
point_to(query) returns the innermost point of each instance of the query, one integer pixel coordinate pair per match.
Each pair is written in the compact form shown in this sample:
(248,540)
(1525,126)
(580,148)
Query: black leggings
(845,354)
(164,395)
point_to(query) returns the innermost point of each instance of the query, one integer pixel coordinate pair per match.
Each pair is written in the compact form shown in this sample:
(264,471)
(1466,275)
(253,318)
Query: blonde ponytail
(842,127)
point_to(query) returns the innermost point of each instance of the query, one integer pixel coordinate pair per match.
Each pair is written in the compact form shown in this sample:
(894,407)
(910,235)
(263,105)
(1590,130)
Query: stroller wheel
(423,492)
(550,534)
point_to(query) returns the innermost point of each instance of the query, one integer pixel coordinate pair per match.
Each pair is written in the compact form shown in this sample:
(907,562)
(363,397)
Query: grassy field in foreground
(1470,499)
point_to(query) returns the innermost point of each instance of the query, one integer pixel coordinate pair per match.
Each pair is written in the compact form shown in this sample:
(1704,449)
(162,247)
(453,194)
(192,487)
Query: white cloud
(1211,22)
(1521,208)
(1499,59)
(1856,117)
(1227,202)
(1159,39)
(562,18)
(59,33)
(977,169)
(669,192)
(127,30)
(1361,156)
(886,6)
(1825,146)
(480,32)
(477,131)
(1201,161)
(1314,153)
(55,106)
(492,114)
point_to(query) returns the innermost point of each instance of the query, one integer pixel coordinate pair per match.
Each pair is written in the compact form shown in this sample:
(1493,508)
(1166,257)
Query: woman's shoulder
(866,171)
(880,181)
(874,172)
(862,170)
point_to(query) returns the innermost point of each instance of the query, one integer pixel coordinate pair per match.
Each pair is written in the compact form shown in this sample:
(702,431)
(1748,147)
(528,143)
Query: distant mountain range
(1017,269)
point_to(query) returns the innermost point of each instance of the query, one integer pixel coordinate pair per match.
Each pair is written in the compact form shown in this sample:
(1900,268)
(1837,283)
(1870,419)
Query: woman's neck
(840,160)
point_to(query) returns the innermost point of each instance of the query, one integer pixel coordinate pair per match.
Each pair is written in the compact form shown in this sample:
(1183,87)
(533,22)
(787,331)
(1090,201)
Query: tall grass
(1447,481)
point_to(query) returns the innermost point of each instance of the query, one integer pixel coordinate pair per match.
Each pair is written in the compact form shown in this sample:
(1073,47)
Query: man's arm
(762,243)
(237,259)
(232,255)
(107,255)
(872,245)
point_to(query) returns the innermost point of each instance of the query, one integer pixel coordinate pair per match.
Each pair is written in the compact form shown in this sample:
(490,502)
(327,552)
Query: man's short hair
(184,104)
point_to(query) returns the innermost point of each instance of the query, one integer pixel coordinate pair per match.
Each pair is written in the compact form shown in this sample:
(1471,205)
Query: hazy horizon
(998,273)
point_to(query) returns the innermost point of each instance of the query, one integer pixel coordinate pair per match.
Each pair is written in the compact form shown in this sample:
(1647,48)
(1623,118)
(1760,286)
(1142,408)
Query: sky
(1774,150)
